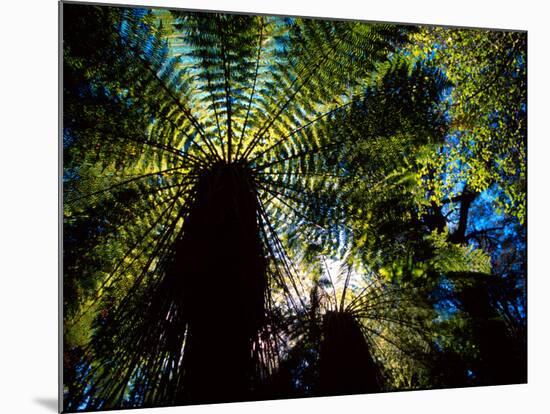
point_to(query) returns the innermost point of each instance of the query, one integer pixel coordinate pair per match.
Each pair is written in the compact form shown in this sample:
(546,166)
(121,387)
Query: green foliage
(488,111)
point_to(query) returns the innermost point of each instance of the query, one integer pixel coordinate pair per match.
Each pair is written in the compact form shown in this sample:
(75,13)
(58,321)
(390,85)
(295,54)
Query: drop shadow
(49,403)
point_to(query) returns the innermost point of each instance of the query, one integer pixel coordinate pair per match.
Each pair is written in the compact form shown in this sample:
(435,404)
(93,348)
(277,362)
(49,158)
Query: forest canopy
(259,207)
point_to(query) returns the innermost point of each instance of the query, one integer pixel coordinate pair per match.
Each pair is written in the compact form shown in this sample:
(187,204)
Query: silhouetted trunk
(435,220)
(221,271)
(501,357)
(346,365)
(466,200)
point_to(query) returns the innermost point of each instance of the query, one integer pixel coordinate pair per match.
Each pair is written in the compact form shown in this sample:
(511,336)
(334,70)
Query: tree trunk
(346,365)
(220,270)
(501,356)
(466,200)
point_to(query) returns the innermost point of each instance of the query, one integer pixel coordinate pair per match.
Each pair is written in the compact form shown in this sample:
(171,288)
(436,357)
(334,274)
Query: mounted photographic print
(261,207)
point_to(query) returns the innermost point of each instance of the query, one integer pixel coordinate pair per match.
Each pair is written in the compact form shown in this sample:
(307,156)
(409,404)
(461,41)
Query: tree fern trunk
(501,357)
(221,271)
(346,365)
